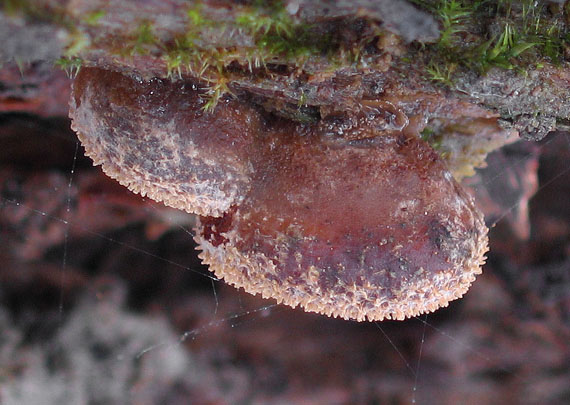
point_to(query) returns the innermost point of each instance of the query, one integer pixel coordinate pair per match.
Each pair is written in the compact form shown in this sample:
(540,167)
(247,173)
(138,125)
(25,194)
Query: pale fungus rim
(158,191)
(234,267)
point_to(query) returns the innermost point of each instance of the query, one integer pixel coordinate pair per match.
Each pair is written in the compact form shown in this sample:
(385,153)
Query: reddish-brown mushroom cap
(348,217)
(369,229)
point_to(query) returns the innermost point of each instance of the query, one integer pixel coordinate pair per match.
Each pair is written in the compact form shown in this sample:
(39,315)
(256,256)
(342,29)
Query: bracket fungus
(352,215)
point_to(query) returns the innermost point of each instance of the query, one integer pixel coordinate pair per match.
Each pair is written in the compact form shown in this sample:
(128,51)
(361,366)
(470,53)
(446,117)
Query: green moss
(479,35)
(257,20)
(276,35)
(216,91)
(441,73)
(302,100)
(71,65)
(195,16)
(76,43)
(276,38)
(143,40)
(428,135)
(93,17)
(453,15)
(13,7)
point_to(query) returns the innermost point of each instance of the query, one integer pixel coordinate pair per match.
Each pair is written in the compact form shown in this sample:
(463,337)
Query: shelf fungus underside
(352,215)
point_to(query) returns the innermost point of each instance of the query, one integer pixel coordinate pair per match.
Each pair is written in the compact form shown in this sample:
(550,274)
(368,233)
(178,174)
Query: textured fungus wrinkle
(351,216)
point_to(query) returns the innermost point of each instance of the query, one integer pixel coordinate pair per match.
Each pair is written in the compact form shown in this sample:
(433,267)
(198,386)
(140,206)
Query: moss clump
(92,18)
(71,65)
(142,41)
(276,37)
(275,34)
(479,35)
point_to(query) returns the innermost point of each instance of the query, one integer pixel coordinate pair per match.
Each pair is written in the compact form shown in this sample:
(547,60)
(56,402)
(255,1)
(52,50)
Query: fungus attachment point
(347,217)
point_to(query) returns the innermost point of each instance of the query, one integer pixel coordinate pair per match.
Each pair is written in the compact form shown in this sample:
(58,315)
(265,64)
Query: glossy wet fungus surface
(352,216)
